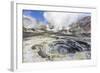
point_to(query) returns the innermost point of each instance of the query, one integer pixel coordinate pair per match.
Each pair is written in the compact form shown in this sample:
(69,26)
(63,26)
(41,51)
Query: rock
(33,47)
(42,54)
(37,46)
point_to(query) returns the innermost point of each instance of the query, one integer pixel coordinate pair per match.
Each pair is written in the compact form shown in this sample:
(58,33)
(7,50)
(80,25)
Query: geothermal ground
(55,47)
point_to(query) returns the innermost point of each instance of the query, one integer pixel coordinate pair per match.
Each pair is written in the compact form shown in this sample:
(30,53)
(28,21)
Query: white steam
(29,22)
(61,20)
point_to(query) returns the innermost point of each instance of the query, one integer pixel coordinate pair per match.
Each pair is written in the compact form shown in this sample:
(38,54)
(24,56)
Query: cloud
(61,20)
(29,22)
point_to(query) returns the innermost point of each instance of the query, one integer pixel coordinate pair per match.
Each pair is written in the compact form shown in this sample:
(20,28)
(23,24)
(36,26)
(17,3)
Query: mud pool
(55,48)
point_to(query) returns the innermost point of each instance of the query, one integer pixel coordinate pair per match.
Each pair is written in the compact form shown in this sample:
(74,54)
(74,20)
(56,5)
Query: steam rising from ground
(61,20)
(29,22)
(56,20)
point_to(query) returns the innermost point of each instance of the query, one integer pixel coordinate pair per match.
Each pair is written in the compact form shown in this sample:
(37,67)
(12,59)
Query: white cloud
(29,22)
(61,20)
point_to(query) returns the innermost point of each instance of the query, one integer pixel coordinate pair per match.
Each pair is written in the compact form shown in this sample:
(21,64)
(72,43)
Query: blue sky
(37,14)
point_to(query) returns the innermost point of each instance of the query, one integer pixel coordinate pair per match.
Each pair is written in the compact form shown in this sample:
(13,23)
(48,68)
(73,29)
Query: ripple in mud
(64,49)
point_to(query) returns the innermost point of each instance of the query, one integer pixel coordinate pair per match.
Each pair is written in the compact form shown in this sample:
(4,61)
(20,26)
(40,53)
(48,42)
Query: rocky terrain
(49,47)
(42,43)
